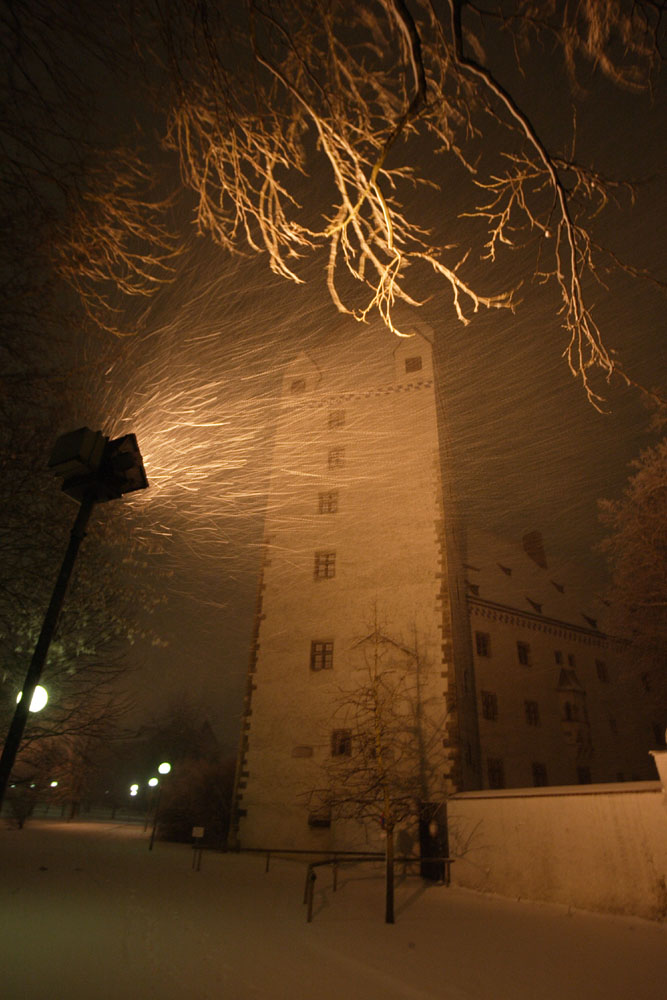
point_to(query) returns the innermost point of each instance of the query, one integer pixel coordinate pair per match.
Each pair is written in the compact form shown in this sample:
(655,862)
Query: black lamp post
(94,470)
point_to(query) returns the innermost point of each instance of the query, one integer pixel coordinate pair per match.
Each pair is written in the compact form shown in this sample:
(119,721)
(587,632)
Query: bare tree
(387,758)
(304,125)
(636,549)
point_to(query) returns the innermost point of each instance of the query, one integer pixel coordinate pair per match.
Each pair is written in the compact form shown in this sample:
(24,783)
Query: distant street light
(94,470)
(39,698)
(164,768)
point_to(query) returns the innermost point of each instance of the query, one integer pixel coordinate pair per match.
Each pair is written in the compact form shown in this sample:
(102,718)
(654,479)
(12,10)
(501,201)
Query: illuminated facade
(559,701)
(355,530)
(360,528)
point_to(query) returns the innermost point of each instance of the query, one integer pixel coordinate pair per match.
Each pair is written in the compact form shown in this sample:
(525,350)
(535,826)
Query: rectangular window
(583,775)
(496,772)
(532,713)
(602,672)
(483,643)
(558,657)
(336,458)
(328,503)
(325,565)
(613,726)
(320,820)
(539,774)
(490,705)
(570,660)
(336,419)
(341,743)
(321,655)
(523,653)
(646,682)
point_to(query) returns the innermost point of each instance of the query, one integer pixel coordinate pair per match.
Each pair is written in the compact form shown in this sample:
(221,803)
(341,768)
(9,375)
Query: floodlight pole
(34,673)
(95,470)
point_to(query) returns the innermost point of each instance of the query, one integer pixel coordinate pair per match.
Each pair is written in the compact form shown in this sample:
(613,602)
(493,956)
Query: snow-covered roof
(502,573)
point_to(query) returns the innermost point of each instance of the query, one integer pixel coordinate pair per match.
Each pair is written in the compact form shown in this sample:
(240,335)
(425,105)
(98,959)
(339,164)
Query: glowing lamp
(39,698)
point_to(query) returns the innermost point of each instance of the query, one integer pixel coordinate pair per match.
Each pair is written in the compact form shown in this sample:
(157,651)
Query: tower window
(325,565)
(483,643)
(341,743)
(321,655)
(328,503)
(336,458)
(413,364)
(298,385)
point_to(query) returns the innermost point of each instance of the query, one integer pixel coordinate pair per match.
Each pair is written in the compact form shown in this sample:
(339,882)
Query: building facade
(516,685)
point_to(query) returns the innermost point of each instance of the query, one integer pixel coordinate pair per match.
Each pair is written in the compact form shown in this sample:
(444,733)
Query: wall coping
(609,788)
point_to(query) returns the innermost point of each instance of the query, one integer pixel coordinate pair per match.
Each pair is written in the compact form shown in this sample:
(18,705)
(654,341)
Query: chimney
(533,545)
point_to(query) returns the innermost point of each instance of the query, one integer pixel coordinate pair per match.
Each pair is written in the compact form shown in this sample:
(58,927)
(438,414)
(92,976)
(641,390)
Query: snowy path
(88,913)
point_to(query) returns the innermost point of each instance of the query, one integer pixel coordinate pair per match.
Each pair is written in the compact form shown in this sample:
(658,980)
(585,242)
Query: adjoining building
(362,541)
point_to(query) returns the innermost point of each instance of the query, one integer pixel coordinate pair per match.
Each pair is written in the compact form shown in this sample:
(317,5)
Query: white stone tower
(355,528)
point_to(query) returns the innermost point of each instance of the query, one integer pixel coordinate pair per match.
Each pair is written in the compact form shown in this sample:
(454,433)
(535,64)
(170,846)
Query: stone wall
(596,847)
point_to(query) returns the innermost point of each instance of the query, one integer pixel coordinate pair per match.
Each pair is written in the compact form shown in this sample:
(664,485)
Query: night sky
(199,386)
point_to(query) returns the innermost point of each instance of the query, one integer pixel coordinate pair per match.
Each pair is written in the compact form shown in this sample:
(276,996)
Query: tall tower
(356,534)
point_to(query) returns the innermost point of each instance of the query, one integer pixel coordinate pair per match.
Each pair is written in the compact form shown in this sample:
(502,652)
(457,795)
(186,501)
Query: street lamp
(39,698)
(164,768)
(94,470)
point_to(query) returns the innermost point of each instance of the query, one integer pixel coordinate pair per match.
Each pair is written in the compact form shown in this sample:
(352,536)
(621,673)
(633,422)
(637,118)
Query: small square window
(341,743)
(321,655)
(523,653)
(320,820)
(496,772)
(490,705)
(336,458)
(532,710)
(336,419)
(602,672)
(325,565)
(328,503)
(298,385)
(413,364)
(483,643)
(539,774)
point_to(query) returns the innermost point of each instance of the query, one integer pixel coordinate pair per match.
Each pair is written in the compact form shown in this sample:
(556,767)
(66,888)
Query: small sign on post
(197,837)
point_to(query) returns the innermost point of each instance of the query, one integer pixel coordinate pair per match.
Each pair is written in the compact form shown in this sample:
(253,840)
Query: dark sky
(198,387)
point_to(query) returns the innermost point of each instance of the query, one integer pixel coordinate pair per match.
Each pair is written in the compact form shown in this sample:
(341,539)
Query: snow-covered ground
(88,913)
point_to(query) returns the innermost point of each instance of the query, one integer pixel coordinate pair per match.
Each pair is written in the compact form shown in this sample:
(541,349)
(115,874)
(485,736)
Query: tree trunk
(389,875)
